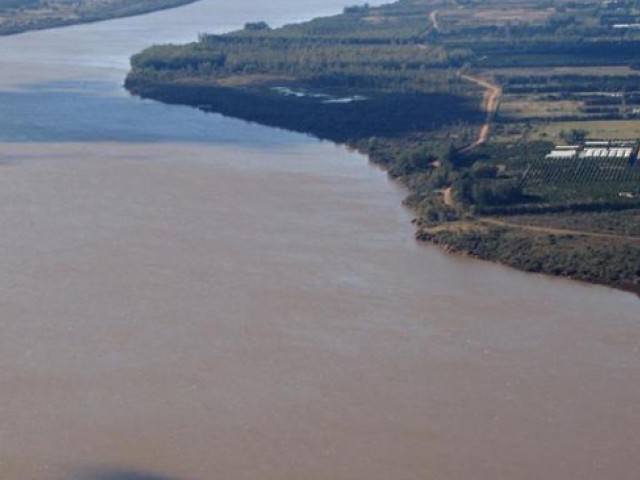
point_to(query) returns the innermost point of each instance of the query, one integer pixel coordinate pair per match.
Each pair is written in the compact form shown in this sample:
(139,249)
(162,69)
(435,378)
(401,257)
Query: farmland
(606,129)
(584,176)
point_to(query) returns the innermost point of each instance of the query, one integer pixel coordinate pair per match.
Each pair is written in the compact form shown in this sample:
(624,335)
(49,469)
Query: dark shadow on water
(98,112)
(107,473)
(90,111)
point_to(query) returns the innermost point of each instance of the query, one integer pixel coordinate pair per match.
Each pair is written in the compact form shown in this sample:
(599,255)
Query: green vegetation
(460,100)
(23,15)
(600,260)
(382,49)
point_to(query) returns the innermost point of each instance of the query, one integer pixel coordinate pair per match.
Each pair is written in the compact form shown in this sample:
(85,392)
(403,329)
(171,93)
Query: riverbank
(600,258)
(399,94)
(594,258)
(56,13)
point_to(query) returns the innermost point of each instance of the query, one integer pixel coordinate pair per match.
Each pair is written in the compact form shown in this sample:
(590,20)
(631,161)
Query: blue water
(65,85)
(88,111)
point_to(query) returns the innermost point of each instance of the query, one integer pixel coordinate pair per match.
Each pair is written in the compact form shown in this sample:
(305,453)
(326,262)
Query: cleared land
(625,223)
(606,129)
(527,106)
(527,225)
(551,71)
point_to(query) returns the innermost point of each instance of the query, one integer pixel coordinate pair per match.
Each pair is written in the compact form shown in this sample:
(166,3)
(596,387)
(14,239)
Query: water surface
(185,296)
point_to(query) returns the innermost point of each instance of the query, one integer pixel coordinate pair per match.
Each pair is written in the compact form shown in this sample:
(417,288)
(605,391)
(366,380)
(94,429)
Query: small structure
(559,154)
(567,147)
(598,149)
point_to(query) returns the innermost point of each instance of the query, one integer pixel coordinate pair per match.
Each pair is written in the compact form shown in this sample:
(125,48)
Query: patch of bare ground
(459,226)
(556,231)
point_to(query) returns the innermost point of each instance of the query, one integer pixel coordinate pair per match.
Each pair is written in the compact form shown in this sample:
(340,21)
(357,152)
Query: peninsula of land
(17,16)
(514,126)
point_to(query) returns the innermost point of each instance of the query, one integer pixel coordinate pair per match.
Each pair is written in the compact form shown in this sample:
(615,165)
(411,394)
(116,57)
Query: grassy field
(528,106)
(489,15)
(551,71)
(605,129)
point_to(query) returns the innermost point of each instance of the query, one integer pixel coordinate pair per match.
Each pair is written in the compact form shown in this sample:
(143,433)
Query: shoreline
(423,233)
(388,95)
(454,238)
(27,24)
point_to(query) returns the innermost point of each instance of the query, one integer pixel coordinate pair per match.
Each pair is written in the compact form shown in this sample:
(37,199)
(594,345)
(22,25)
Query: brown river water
(189,297)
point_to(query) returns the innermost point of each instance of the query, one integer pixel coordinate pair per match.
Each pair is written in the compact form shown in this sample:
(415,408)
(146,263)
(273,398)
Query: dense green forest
(347,51)
(420,86)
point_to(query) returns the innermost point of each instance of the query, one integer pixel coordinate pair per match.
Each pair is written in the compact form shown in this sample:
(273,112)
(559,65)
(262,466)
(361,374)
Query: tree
(574,135)
(257,26)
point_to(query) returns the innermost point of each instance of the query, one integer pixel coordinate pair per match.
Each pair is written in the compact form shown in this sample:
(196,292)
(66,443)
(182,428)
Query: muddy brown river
(189,297)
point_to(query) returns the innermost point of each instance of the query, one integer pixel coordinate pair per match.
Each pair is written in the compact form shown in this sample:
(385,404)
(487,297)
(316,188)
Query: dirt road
(556,231)
(490,104)
(434,20)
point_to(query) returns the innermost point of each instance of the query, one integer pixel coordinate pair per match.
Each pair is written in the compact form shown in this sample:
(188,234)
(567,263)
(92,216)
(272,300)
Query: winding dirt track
(491,102)
(434,20)
(491,96)
(557,231)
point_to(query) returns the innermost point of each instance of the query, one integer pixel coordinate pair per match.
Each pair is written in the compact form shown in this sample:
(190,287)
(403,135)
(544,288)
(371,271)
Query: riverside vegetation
(18,16)
(460,100)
